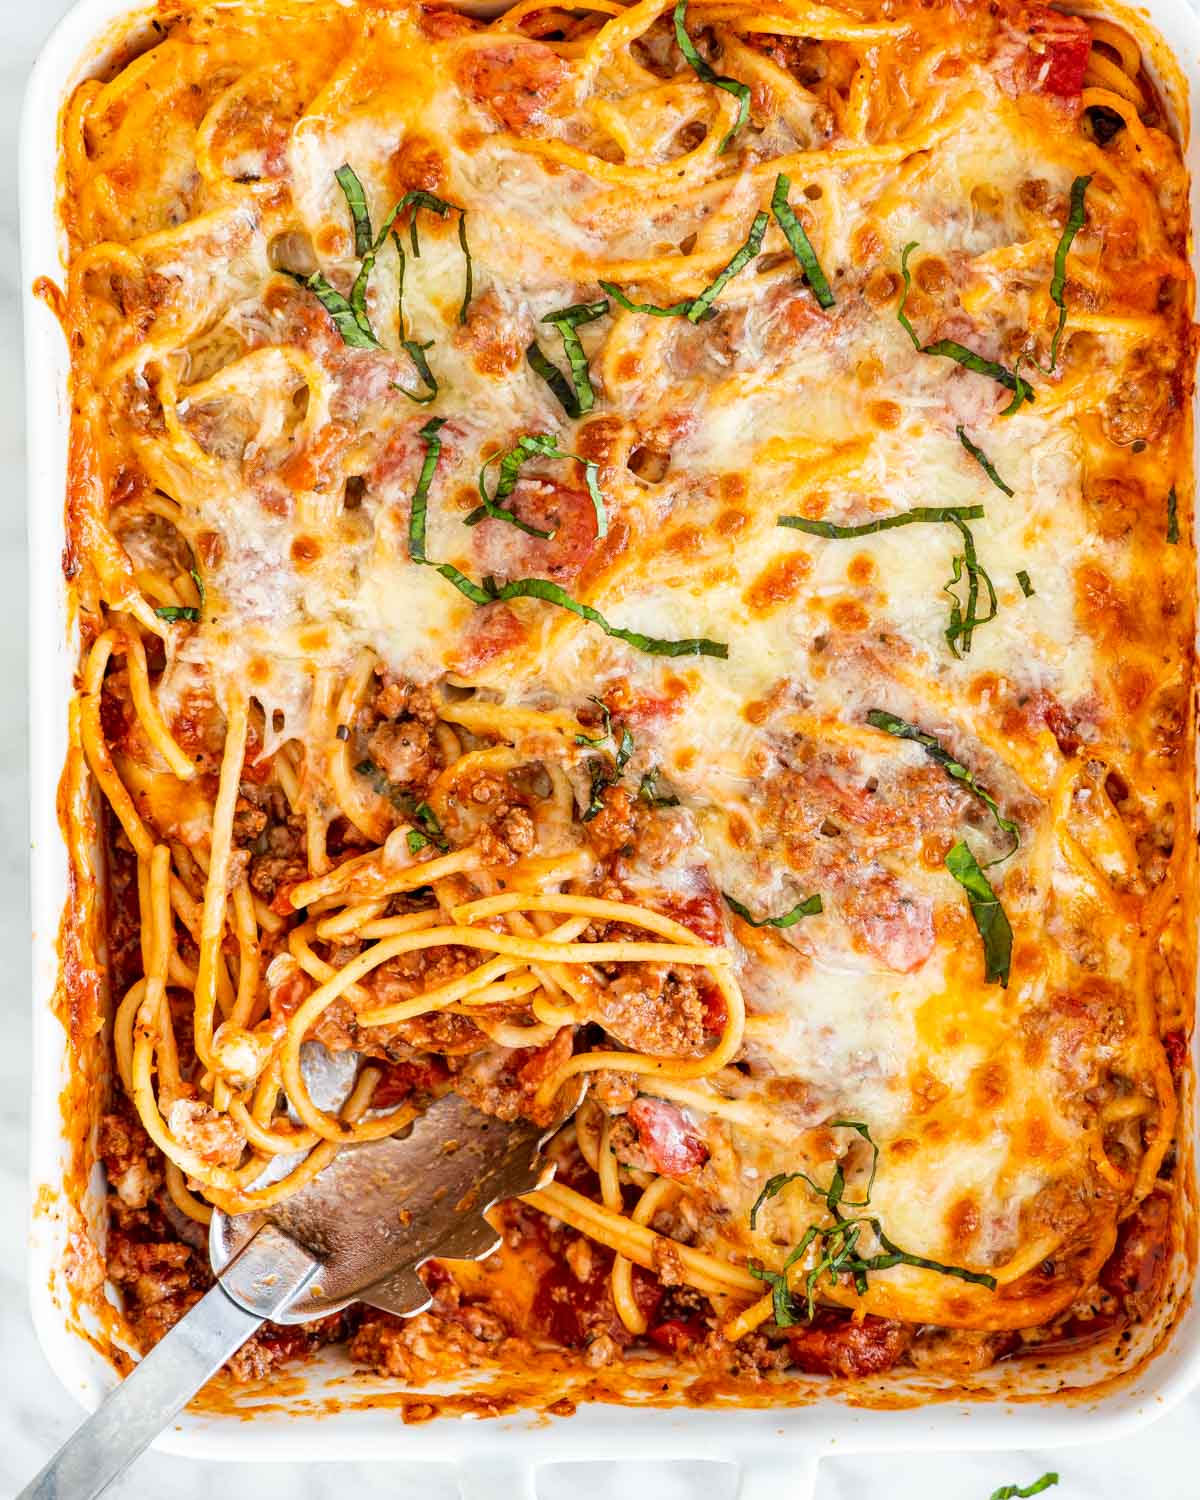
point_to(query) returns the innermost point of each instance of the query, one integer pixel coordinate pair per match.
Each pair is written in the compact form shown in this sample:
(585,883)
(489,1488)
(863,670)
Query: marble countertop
(1159,1463)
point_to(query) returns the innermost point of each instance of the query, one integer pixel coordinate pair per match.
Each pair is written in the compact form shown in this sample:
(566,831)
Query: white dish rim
(771,1447)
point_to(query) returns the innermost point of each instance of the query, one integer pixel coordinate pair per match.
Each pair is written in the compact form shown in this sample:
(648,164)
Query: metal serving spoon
(356,1233)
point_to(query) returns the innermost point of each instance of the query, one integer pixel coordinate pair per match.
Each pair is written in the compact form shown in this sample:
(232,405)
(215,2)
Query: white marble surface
(1162,1463)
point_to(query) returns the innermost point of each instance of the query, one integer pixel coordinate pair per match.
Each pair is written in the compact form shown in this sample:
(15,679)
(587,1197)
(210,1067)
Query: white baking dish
(776,1450)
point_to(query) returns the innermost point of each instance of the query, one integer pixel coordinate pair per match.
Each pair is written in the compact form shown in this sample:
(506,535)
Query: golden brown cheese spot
(990,1084)
(628,366)
(849,615)
(866,247)
(868,372)
(885,414)
(926,1091)
(740,831)
(314,638)
(862,569)
(685,541)
(687,757)
(733,488)
(881,287)
(778,583)
(416,163)
(332,240)
(259,670)
(933,275)
(962,1221)
(1103,609)
(731,522)
(1134,684)
(305,550)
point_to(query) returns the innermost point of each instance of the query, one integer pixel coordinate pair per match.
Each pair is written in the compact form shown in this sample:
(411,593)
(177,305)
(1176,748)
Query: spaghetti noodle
(715,759)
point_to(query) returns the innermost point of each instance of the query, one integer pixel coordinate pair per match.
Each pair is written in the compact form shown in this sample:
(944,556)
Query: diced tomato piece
(1136,1268)
(835,1345)
(1175,1045)
(1058,53)
(671,1145)
(677,1335)
(404,1078)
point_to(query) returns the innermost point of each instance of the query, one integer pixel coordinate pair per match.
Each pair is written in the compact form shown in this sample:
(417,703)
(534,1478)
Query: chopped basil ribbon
(1023,580)
(741,91)
(648,790)
(1173,517)
(994,927)
(339,309)
(420,500)
(1012,1492)
(793,232)
(510,464)
(189,612)
(542,588)
(839,1241)
(811,906)
(739,263)
(676,310)
(566,321)
(982,460)
(600,776)
(529,588)
(1058,282)
(837,1186)
(963,619)
(951,349)
(469,277)
(699,307)
(931,513)
(961,630)
(901,729)
(606,732)
(356,202)
(350,314)
(406,803)
(414,350)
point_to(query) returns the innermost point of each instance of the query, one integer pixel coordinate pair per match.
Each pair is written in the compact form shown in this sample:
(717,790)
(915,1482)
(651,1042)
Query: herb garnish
(964,618)
(489,592)
(414,350)
(741,91)
(961,630)
(510,464)
(951,349)
(420,500)
(699,307)
(648,790)
(994,927)
(189,612)
(1173,517)
(839,1240)
(602,778)
(567,320)
(1013,1492)
(793,232)
(954,513)
(811,906)
(901,729)
(1023,580)
(989,915)
(1058,281)
(982,460)
(407,804)
(349,315)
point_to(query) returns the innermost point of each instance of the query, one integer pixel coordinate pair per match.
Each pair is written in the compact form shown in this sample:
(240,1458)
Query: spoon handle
(266,1275)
